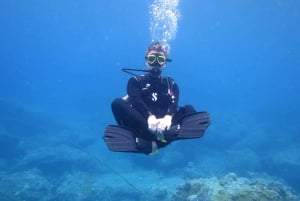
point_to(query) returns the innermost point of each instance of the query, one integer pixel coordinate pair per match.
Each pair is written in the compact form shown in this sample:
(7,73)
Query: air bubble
(164,16)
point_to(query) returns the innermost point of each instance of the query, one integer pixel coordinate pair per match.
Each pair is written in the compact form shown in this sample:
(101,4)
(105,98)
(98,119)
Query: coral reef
(83,186)
(79,186)
(233,188)
(28,185)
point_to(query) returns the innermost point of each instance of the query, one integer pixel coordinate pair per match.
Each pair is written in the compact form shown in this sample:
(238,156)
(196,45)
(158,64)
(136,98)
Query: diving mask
(156,59)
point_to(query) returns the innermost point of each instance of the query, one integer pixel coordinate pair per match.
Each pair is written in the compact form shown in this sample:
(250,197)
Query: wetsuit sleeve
(174,98)
(135,95)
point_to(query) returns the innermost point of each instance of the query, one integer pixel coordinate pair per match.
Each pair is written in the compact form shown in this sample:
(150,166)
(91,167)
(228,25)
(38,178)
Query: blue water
(60,67)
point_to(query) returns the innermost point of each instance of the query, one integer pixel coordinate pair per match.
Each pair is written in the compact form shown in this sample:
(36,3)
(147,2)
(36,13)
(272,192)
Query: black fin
(193,126)
(120,139)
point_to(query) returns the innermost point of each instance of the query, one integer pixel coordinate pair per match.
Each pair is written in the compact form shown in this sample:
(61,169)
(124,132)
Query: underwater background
(60,69)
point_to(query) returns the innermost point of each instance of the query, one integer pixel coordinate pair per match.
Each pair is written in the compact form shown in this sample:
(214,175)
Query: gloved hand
(164,123)
(152,123)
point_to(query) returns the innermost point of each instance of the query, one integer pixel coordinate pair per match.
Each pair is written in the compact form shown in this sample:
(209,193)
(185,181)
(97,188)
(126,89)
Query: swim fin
(121,139)
(192,126)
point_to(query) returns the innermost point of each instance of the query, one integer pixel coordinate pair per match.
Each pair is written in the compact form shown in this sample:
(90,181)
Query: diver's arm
(134,92)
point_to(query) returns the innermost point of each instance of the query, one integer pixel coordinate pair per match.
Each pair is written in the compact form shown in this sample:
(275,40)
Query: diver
(148,117)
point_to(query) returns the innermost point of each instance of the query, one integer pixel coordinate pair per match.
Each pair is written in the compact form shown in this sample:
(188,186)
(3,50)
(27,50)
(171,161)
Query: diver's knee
(117,103)
(189,109)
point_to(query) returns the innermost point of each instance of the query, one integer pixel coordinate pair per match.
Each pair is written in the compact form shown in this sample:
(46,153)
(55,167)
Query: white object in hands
(164,123)
(153,123)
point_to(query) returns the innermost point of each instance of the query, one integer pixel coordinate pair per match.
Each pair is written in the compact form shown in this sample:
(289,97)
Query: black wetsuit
(148,95)
(152,95)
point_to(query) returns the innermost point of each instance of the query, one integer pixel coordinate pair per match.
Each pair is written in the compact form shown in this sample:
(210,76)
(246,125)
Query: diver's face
(155,61)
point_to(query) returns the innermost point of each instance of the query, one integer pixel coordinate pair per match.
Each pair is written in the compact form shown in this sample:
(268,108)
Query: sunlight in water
(164,16)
